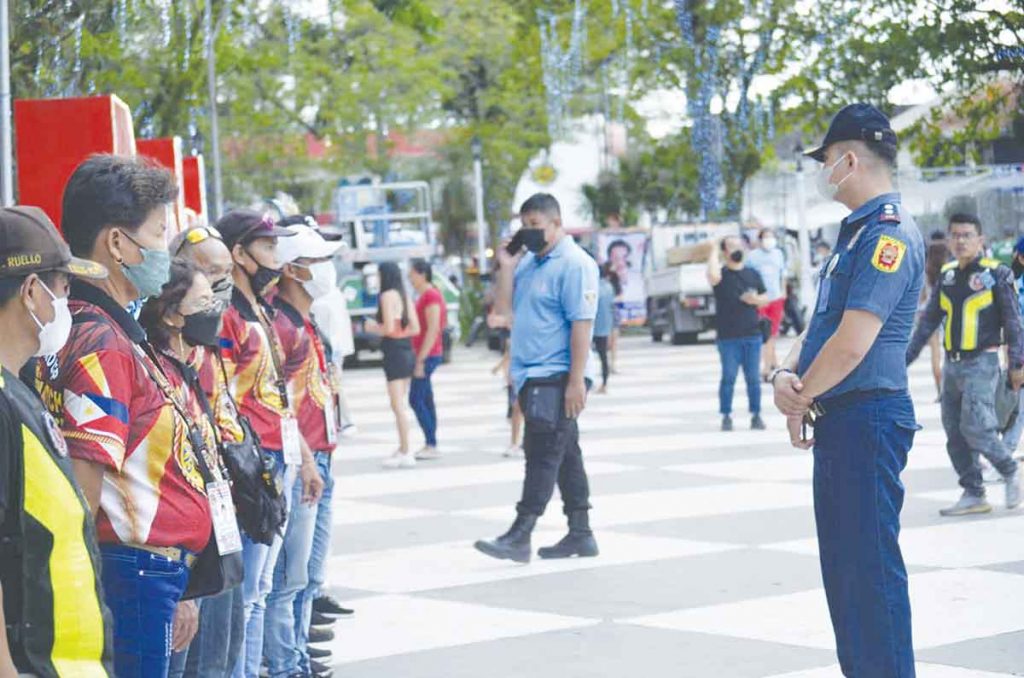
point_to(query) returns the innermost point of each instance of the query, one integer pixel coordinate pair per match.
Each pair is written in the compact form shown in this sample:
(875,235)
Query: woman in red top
(429,348)
(396,323)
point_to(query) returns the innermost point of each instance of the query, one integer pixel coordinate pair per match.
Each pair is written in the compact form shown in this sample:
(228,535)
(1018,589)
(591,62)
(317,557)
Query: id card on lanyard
(225,524)
(290,445)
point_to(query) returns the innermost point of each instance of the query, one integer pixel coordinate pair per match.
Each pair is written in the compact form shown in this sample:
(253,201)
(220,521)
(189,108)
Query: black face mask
(1018,268)
(264,278)
(533,239)
(203,328)
(736,256)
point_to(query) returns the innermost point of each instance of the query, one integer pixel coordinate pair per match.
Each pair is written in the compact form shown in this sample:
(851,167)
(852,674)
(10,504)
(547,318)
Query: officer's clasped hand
(788,398)
(1016,379)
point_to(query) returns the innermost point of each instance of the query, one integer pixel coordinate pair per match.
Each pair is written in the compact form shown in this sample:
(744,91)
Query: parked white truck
(680,302)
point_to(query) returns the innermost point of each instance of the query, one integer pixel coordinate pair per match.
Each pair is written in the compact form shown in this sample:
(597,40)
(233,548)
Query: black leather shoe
(579,542)
(331,607)
(513,545)
(318,670)
(320,619)
(319,634)
(318,653)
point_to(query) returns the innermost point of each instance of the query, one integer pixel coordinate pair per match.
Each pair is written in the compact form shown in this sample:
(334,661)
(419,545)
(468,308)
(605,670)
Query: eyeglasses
(196,235)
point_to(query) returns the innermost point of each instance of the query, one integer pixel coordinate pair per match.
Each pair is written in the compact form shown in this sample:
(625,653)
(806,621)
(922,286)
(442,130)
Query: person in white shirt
(770,262)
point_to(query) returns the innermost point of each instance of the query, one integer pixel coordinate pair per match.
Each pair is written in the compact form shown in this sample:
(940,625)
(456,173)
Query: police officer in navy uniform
(976,299)
(847,380)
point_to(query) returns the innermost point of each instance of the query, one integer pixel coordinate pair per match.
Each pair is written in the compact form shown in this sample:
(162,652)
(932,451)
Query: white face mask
(323,281)
(54,334)
(826,188)
(769,243)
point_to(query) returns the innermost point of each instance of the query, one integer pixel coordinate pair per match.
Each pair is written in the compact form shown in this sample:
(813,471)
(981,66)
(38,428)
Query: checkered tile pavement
(708,564)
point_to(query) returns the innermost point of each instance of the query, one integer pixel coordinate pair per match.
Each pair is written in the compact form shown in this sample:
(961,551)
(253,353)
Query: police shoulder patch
(888,255)
(590,296)
(889,215)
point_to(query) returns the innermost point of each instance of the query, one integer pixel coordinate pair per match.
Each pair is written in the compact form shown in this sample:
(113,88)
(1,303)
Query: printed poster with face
(623,252)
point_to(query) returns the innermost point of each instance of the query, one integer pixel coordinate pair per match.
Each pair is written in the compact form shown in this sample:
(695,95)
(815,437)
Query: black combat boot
(579,542)
(514,544)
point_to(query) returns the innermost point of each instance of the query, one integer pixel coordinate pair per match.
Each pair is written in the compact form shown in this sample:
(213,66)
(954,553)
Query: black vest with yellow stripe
(57,624)
(967,297)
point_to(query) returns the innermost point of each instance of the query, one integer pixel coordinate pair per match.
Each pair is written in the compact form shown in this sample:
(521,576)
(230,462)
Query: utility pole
(6,134)
(804,238)
(478,179)
(211,76)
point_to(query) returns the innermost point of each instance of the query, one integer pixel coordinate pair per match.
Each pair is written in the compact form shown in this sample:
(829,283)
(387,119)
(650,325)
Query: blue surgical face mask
(151,274)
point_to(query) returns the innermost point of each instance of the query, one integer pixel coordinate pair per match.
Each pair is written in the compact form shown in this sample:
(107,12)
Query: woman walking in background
(431,314)
(613,338)
(604,323)
(396,323)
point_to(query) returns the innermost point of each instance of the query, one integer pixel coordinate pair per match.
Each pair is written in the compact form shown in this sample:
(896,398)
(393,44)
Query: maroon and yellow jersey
(113,413)
(251,372)
(307,373)
(213,380)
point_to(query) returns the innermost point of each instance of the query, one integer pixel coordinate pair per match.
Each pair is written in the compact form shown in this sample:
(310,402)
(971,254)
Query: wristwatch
(776,372)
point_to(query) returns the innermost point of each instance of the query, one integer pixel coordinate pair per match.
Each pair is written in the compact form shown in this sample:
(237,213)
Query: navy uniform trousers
(860,450)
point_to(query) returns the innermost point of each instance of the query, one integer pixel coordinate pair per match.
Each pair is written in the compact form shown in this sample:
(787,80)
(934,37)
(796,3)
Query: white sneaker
(399,460)
(349,431)
(514,452)
(428,454)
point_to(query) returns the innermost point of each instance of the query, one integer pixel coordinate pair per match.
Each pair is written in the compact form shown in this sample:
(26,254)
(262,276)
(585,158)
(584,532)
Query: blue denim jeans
(421,399)
(142,591)
(1011,439)
(291,576)
(859,452)
(744,352)
(259,561)
(317,561)
(218,643)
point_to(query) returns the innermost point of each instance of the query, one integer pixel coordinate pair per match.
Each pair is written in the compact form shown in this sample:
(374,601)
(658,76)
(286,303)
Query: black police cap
(856,122)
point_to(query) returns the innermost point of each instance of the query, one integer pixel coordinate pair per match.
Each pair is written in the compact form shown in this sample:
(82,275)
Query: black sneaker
(318,670)
(329,606)
(321,619)
(727,423)
(319,634)
(318,653)
(757,423)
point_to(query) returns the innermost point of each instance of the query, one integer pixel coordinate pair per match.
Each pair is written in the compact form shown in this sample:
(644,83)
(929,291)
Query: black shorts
(399,358)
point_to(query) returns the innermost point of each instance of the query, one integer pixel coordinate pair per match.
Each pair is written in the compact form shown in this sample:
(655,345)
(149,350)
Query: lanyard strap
(272,341)
(157,374)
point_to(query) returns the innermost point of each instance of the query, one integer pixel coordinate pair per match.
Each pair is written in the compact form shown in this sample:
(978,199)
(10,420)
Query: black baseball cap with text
(242,226)
(856,122)
(30,243)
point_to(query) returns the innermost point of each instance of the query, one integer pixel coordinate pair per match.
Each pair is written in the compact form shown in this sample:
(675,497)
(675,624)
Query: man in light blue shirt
(552,291)
(769,260)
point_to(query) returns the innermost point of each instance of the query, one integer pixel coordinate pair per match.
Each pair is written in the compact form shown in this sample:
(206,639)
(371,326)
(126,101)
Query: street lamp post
(478,180)
(211,76)
(6,135)
(804,237)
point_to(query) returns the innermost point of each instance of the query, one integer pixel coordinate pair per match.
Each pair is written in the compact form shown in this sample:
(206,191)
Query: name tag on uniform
(823,292)
(225,524)
(330,421)
(290,445)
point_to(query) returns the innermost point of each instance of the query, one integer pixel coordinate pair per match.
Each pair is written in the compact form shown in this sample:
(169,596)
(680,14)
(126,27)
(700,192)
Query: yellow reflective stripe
(947,307)
(77,620)
(969,320)
(949,266)
(990,263)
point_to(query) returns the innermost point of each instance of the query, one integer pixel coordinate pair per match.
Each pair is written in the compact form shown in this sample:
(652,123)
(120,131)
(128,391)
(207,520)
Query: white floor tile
(424,478)
(949,606)
(642,507)
(437,566)
(959,543)
(346,512)
(394,625)
(923,671)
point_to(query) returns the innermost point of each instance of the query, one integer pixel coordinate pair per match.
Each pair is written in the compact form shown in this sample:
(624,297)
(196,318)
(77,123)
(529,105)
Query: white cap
(307,244)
